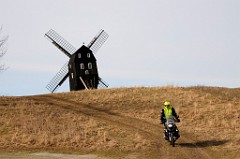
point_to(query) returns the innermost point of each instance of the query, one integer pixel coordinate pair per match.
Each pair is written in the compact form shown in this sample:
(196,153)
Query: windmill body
(83,72)
(82,65)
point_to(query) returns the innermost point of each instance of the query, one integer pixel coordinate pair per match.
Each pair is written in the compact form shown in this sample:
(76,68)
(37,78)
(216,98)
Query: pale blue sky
(151,42)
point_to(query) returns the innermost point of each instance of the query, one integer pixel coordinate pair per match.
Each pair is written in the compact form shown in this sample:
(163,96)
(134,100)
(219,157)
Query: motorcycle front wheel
(171,138)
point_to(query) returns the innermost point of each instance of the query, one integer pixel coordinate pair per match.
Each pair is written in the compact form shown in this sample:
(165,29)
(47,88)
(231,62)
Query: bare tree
(3,50)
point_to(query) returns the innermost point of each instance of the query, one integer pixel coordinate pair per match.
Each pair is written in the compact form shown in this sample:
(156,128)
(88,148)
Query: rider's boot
(177,134)
(165,134)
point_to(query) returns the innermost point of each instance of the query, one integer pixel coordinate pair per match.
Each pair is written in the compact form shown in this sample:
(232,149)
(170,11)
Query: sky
(151,42)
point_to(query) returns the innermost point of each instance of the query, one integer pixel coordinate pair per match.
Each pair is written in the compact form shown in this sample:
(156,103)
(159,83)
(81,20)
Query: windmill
(81,67)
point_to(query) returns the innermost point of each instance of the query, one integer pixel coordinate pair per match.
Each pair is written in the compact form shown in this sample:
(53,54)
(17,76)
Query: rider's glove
(178,120)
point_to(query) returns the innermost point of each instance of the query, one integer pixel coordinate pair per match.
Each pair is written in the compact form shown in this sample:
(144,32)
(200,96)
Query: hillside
(124,122)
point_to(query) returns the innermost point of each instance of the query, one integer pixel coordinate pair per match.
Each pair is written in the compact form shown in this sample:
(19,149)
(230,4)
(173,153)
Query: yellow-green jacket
(167,112)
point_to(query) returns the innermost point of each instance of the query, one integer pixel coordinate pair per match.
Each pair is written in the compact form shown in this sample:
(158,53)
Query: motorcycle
(171,131)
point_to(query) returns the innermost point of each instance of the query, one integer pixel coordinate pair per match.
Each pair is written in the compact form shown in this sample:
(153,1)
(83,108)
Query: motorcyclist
(166,112)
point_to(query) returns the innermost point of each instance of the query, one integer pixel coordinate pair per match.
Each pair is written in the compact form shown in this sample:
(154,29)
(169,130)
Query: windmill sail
(58,79)
(98,41)
(102,84)
(60,42)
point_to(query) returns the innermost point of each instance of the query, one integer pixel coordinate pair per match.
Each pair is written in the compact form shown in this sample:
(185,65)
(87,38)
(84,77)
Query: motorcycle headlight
(170,125)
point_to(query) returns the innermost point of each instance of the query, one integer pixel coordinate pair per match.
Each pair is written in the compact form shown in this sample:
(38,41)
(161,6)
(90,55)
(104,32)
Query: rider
(168,111)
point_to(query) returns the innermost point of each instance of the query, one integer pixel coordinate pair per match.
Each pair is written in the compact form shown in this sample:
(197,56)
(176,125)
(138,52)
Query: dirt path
(185,147)
(45,155)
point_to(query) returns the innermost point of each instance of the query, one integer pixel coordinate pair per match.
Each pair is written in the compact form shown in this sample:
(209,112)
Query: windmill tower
(82,65)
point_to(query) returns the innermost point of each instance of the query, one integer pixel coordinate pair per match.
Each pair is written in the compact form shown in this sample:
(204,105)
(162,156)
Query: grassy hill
(124,122)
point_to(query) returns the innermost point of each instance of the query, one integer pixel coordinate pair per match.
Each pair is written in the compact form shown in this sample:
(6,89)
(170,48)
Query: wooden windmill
(82,65)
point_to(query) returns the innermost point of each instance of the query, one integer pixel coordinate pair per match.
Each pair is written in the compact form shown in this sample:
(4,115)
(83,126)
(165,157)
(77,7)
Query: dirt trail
(185,147)
(45,155)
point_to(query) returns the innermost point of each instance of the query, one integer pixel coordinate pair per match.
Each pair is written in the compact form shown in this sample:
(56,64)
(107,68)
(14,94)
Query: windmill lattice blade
(60,42)
(58,79)
(102,84)
(98,41)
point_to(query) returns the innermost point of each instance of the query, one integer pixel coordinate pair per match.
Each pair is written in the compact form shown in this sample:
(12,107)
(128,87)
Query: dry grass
(123,119)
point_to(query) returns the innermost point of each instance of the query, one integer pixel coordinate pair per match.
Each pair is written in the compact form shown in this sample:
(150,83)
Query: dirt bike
(171,131)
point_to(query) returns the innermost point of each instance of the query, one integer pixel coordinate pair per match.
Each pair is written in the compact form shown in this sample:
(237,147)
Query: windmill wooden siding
(82,64)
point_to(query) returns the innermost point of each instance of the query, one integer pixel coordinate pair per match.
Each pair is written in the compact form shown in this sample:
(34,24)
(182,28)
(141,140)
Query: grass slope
(124,122)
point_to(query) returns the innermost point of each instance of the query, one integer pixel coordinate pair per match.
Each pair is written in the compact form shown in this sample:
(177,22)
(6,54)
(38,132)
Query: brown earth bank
(124,122)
